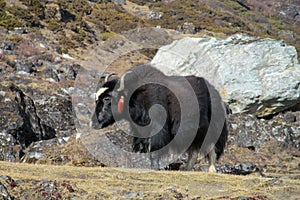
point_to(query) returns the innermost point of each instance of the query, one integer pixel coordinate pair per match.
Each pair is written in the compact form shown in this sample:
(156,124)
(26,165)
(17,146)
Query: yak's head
(113,99)
(103,115)
(110,92)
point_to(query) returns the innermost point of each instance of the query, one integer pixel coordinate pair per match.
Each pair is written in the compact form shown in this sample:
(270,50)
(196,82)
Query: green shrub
(107,35)
(36,6)
(2,5)
(15,39)
(10,22)
(79,8)
(24,15)
(53,25)
(114,17)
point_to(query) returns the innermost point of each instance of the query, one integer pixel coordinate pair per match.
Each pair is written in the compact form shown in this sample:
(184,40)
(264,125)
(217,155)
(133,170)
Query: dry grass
(122,183)
(135,9)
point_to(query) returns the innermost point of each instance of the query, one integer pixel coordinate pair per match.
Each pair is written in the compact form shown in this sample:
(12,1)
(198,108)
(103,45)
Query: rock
(31,110)
(120,2)
(43,46)
(37,152)
(249,132)
(33,64)
(290,12)
(155,15)
(258,76)
(66,71)
(24,67)
(4,30)
(10,150)
(53,106)
(48,71)
(288,36)
(10,182)
(238,169)
(4,193)
(57,59)
(5,68)
(20,124)
(55,113)
(19,116)
(8,45)
(67,56)
(20,30)
(251,198)
(188,28)
(66,16)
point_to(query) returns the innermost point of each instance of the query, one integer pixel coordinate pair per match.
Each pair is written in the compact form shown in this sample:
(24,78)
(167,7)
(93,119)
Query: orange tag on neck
(121,104)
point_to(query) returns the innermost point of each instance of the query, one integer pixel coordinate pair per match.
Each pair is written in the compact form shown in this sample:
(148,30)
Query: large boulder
(258,76)
(31,110)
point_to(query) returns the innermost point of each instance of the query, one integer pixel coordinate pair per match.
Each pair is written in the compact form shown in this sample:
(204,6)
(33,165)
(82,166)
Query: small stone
(4,30)
(172,188)
(155,15)
(2,93)
(57,59)
(20,30)
(187,28)
(120,2)
(8,45)
(67,56)
(42,46)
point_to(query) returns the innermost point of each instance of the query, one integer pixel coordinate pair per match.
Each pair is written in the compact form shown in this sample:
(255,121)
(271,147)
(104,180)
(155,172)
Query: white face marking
(100,91)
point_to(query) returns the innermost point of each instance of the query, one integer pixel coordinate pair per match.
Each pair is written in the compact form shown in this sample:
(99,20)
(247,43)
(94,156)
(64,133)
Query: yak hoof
(212,169)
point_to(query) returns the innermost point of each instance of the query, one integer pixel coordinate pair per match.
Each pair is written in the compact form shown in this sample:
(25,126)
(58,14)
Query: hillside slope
(77,25)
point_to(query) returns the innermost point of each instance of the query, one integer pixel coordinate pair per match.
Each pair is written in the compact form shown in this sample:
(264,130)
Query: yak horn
(122,84)
(107,76)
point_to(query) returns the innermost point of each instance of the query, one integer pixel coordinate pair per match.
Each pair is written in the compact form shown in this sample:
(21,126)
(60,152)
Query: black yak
(184,111)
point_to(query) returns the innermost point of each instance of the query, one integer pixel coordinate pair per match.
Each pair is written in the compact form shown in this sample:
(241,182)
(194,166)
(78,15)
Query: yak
(186,106)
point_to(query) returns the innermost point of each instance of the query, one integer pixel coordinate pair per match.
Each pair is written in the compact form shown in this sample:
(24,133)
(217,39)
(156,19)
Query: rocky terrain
(52,54)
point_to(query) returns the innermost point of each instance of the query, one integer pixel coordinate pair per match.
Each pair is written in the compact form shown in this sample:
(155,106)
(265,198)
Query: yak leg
(192,158)
(212,156)
(154,162)
(154,158)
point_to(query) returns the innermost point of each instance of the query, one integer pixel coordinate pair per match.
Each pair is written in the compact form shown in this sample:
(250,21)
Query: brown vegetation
(32,181)
(88,22)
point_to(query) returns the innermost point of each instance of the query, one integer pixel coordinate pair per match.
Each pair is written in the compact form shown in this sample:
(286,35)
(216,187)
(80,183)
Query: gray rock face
(258,76)
(4,193)
(121,2)
(249,132)
(31,110)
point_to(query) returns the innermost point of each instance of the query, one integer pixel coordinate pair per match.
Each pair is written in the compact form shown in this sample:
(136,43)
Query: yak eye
(105,99)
